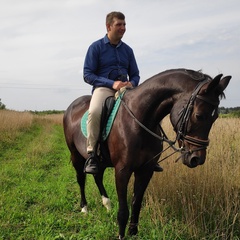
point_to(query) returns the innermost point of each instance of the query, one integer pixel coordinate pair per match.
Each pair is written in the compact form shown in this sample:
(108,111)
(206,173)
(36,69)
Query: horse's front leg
(122,177)
(99,182)
(140,184)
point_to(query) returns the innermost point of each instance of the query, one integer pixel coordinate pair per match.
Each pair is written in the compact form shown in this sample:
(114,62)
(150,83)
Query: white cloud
(43,43)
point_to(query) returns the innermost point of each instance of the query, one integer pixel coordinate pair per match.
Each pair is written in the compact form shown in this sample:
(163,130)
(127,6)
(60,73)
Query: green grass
(39,193)
(39,197)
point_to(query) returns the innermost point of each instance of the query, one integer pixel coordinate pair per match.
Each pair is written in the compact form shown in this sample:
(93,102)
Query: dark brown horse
(136,138)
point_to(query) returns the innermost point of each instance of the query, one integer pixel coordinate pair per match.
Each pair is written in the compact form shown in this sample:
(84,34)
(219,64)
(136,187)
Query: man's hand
(117,85)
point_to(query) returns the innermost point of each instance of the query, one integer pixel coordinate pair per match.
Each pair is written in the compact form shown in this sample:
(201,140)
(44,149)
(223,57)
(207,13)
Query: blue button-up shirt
(105,63)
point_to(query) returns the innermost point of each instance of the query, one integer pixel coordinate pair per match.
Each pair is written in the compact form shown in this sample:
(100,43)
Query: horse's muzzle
(194,159)
(194,151)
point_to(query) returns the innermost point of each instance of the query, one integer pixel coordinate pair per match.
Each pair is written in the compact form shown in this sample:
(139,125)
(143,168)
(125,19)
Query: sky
(43,44)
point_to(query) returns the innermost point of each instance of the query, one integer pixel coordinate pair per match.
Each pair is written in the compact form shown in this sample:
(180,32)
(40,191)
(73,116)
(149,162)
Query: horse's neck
(153,101)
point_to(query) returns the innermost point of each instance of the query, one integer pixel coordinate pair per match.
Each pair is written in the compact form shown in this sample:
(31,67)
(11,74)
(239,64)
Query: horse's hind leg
(99,182)
(140,184)
(78,162)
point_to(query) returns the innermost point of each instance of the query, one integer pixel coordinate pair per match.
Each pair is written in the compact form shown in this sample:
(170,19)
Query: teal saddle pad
(110,120)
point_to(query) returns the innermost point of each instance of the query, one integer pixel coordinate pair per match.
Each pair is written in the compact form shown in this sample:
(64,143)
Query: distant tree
(2,106)
(236,114)
(229,112)
(222,110)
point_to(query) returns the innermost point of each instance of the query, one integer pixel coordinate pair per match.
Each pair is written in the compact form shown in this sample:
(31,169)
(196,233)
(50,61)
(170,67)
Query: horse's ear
(214,83)
(224,82)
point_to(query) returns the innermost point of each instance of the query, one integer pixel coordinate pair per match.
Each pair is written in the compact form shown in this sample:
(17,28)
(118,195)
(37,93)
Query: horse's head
(193,123)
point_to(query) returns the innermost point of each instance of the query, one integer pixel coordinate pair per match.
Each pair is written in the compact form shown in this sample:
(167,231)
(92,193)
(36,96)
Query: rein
(161,138)
(181,132)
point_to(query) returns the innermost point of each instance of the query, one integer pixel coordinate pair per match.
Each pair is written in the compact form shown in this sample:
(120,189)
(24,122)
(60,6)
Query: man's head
(116,26)
(112,15)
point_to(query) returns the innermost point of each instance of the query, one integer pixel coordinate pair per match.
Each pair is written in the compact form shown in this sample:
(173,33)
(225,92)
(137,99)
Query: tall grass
(14,123)
(206,200)
(11,123)
(13,120)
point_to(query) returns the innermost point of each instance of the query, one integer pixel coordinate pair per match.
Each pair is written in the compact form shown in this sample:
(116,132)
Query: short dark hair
(112,15)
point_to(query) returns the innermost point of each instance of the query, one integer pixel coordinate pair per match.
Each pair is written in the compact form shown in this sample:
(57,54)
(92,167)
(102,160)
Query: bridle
(181,132)
(185,116)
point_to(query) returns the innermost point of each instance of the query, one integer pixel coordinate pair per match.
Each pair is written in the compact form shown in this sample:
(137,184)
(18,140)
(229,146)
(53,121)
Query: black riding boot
(91,165)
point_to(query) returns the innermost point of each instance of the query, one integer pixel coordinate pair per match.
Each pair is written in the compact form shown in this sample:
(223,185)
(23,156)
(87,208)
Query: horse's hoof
(133,229)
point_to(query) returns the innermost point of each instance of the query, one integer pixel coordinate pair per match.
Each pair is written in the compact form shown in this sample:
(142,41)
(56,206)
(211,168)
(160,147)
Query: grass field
(39,196)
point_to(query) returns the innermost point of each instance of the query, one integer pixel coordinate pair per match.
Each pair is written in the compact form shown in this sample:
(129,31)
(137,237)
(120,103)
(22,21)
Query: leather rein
(182,122)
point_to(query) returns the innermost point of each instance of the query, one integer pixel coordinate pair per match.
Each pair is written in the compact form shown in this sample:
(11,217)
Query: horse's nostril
(194,162)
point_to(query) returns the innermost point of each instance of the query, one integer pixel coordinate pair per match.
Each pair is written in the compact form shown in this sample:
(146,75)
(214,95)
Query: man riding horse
(109,66)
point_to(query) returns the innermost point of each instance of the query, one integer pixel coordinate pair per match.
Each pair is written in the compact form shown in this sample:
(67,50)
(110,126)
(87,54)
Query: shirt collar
(106,41)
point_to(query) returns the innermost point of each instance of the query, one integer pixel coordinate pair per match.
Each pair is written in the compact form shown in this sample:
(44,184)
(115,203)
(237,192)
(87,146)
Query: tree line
(231,112)
(2,106)
(224,110)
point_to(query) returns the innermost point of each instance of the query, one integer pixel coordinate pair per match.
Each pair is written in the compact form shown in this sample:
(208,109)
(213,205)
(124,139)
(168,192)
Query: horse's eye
(199,117)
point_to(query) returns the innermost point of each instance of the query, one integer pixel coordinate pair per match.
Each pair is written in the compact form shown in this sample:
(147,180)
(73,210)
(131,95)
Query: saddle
(107,108)
(109,112)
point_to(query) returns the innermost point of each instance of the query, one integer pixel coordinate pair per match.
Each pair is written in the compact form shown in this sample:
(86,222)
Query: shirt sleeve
(90,69)
(133,71)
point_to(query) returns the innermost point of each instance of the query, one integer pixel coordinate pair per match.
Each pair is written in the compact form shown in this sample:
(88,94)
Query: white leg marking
(84,209)
(106,203)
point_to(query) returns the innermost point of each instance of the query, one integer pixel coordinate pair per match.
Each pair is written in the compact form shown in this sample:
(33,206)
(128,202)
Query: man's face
(117,29)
